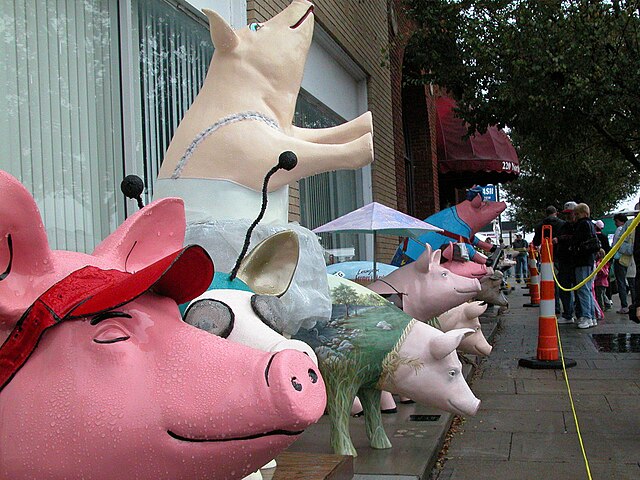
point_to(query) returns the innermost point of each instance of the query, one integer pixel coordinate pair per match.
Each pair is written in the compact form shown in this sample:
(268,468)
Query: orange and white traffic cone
(547,354)
(534,285)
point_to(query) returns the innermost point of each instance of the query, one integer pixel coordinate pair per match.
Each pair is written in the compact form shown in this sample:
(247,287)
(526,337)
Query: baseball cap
(598,224)
(182,275)
(569,207)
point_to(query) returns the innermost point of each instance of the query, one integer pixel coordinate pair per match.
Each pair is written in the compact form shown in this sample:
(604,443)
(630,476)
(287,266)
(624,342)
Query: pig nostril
(296,385)
(313,376)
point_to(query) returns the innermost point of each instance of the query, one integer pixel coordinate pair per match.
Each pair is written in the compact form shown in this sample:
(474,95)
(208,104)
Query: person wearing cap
(564,261)
(555,223)
(620,263)
(604,242)
(584,262)
(520,245)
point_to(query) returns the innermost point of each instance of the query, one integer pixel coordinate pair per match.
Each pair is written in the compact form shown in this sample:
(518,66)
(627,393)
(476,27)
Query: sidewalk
(525,428)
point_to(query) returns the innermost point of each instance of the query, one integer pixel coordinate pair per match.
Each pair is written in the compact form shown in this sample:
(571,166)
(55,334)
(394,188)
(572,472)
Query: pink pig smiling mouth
(303,18)
(231,439)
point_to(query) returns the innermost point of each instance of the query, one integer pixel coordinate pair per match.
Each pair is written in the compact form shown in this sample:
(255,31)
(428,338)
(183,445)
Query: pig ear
(443,345)
(269,268)
(423,263)
(474,309)
(222,35)
(24,249)
(146,236)
(477,201)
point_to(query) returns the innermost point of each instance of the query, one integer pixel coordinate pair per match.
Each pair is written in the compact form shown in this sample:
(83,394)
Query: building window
(175,51)
(61,119)
(326,196)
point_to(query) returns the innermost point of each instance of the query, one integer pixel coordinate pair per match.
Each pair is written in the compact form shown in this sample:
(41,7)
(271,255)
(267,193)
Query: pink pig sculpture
(426,288)
(466,316)
(99,376)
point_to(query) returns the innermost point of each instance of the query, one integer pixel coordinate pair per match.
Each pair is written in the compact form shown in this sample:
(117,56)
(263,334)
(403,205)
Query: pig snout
(297,386)
(292,344)
(468,407)
(475,344)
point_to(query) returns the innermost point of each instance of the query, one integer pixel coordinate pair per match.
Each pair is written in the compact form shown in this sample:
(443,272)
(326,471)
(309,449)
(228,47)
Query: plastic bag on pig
(308,296)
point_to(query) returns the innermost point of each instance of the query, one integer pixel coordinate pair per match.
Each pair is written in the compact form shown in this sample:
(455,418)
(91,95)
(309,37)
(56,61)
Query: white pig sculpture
(248,310)
(466,316)
(368,345)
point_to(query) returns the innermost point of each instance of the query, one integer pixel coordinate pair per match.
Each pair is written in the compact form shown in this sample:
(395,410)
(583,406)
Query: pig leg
(343,133)
(315,158)
(341,398)
(370,399)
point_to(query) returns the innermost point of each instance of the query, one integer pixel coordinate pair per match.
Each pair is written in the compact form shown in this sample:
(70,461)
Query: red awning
(485,158)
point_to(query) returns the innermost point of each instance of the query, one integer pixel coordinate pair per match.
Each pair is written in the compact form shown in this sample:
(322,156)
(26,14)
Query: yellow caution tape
(606,258)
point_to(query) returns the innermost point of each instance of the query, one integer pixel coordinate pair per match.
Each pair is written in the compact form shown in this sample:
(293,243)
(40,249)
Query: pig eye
(270,310)
(452,373)
(110,335)
(212,316)
(254,27)
(443,274)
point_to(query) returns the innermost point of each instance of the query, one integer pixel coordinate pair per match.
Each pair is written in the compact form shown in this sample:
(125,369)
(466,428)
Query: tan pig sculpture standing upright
(242,120)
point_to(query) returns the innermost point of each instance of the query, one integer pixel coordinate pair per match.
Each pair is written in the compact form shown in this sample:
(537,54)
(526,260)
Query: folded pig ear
(148,235)
(442,345)
(474,309)
(222,35)
(269,268)
(25,255)
(423,263)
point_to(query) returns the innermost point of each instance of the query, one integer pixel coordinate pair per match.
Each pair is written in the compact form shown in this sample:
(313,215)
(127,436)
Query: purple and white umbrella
(376,218)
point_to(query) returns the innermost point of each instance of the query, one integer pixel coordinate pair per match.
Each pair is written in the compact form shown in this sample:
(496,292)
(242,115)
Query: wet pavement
(525,427)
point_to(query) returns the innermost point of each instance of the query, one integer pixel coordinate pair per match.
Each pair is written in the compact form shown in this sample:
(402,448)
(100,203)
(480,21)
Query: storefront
(94,89)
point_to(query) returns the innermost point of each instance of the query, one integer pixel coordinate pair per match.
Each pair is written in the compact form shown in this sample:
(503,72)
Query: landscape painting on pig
(106,380)
(242,118)
(368,345)
(460,223)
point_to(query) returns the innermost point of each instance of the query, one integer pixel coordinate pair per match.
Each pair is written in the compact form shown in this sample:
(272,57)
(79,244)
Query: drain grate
(617,342)
(424,418)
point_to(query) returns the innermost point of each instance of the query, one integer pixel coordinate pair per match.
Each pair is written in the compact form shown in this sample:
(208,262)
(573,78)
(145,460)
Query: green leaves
(564,76)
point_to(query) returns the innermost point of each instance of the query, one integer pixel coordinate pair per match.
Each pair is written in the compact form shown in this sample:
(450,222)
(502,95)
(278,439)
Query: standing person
(602,281)
(564,260)
(604,240)
(584,257)
(555,223)
(620,263)
(520,245)
(604,243)
(634,311)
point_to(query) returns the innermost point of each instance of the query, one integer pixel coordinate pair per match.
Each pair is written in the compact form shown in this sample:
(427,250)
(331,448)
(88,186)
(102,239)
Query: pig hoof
(389,410)
(358,414)
(407,401)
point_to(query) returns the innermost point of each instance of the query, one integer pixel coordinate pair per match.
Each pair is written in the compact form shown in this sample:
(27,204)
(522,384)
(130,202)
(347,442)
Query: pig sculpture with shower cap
(101,378)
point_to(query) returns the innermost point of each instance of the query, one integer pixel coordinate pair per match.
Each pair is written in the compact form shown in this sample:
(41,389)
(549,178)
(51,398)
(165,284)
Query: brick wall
(361,29)
(415,104)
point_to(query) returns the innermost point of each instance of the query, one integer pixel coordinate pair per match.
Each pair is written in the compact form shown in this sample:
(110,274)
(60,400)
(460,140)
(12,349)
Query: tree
(561,74)
(344,295)
(550,176)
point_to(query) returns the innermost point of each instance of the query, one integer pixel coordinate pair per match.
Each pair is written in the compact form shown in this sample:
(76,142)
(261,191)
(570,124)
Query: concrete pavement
(525,428)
